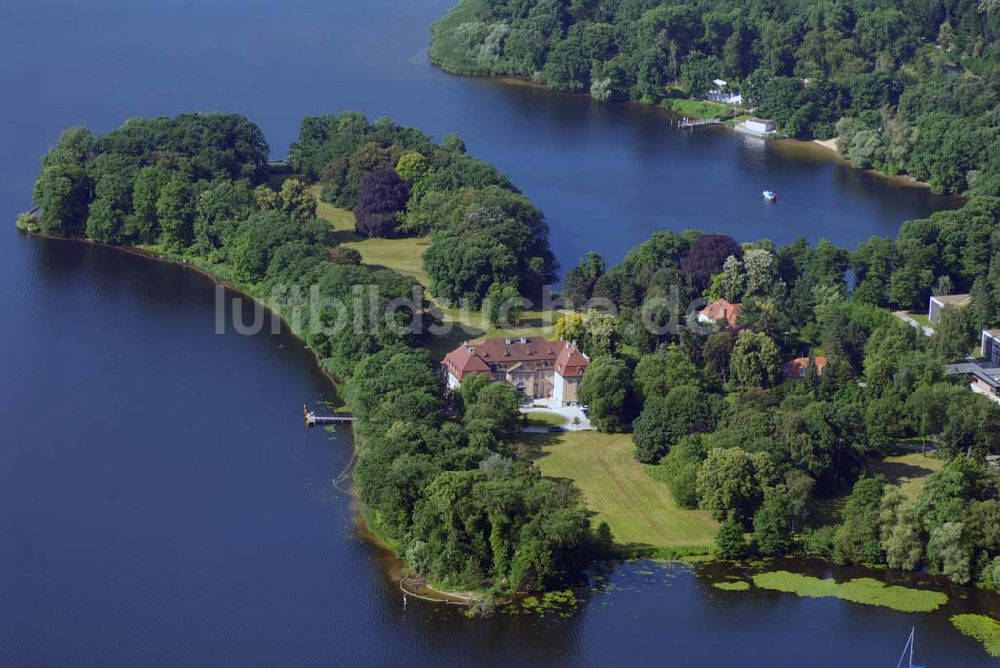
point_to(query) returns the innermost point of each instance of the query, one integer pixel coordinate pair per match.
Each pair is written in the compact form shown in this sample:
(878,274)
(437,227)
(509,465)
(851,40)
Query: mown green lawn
(908,470)
(342,220)
(921,318)
(544,419)
(405,256)
(697,108)
(639,509)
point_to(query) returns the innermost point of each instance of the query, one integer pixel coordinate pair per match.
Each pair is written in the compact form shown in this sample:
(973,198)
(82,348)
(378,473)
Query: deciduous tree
(382,196)
(606,390)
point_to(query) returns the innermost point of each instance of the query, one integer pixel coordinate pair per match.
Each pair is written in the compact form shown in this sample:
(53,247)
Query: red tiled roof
(463,360)
(571,362)
(722,310)
(507,352)
(798,366)
(522,349)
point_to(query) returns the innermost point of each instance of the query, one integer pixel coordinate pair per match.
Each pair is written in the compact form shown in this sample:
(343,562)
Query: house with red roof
(798,367)
(721,311)
(537,367)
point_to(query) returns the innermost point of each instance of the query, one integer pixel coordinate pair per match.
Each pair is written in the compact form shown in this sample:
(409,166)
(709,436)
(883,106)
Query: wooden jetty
(313,420)
(691,123)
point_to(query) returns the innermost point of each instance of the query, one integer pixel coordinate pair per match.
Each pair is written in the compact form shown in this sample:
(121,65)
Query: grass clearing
(638,509)
(921,318)
(697,108)
(405,255)
(341,219)
(908,470)
(543,419)
(984,629)
(866,591)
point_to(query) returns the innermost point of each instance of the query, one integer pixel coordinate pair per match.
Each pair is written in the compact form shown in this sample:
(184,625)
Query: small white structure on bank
(991,346)
(939,302)
(983,374)
(720,94)
(758,127)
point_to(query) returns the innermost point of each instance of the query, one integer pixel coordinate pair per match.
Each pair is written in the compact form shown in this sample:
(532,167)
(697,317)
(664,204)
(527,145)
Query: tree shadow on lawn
(532,322)
(440,345)
(529,447)
(900,471)
(345,236)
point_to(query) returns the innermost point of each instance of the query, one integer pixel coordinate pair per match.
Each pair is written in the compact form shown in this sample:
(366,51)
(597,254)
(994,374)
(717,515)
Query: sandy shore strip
(828,143)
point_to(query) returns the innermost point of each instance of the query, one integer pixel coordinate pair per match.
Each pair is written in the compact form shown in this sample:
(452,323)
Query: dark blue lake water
(160,503)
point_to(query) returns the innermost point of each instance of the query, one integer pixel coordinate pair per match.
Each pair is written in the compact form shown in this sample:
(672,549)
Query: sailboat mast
(908,645)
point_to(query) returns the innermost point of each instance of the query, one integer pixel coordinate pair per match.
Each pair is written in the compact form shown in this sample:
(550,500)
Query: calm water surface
(160,503)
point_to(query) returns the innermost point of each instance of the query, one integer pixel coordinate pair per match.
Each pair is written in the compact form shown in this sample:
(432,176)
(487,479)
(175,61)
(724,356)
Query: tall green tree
(606,389)
(175,210)
(665,420)
(755,361)
(63,191)
(772,523)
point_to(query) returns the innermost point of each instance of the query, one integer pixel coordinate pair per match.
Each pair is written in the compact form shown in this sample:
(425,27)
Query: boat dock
(691,123)
(313,420)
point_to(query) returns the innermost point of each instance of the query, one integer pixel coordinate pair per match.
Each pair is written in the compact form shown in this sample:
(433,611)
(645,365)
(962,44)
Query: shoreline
(393,565)
(214,278)
(830,144)
(900,179)
(827,145)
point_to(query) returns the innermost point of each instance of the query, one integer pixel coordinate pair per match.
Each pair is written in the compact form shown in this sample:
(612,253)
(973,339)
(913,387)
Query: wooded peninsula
(447,478)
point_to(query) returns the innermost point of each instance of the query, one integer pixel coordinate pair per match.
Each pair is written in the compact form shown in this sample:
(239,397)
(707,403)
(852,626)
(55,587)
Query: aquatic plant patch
(739,585)
(561,603)
(984,629)
(867,591)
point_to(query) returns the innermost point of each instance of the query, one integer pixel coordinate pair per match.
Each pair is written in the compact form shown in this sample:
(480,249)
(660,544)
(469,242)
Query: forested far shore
(906,88)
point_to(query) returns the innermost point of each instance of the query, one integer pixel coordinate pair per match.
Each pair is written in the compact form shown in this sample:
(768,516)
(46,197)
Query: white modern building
(938,302)
(758,127)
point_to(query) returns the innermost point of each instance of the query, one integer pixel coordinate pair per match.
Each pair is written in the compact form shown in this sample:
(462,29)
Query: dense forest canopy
(485,233)
(733,432)
(437,474)
(909,87)
(717,414)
